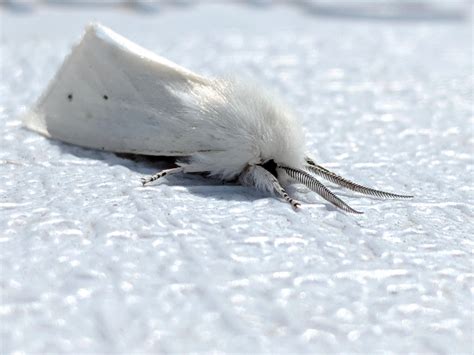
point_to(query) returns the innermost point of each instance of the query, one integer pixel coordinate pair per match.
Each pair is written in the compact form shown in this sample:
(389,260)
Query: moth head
(283,148)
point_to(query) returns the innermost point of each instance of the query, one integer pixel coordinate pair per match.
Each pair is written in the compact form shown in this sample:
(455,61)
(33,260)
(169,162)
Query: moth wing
(114,95)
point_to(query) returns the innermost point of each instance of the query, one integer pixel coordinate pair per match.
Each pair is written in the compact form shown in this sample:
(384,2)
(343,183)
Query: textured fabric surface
(93,262)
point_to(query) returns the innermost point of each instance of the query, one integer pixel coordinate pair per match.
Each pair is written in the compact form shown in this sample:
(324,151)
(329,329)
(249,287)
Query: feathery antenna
(339,180)
(312,183)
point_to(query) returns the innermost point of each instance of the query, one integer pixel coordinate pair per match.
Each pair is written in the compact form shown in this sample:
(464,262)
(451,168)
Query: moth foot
(295,204)
(145,181)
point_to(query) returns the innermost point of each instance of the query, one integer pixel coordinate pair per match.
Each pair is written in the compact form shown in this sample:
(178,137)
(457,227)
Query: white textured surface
(92,262)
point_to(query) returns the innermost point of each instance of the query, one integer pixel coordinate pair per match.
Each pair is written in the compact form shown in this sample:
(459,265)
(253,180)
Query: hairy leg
(263,180)
(161,174)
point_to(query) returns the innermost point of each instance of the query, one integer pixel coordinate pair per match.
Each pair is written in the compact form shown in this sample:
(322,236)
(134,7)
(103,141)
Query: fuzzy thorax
(254,126)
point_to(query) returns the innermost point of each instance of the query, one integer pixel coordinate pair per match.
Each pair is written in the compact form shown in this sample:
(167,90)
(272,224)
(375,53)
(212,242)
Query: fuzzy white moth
(114,95)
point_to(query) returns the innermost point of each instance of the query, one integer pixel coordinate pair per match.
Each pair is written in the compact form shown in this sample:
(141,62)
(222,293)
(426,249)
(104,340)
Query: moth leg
(263,180)
(282,192)
(160,174)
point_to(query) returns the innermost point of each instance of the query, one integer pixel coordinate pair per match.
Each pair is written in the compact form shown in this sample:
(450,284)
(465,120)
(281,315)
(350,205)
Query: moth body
(114,95)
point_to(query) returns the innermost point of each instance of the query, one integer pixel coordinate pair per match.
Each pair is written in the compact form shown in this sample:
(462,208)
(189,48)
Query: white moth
(114,95)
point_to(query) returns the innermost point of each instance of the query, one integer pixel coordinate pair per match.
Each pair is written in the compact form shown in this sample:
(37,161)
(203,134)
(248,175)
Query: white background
(93,262)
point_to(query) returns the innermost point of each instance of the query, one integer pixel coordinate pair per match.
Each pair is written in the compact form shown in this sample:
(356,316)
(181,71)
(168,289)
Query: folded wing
(114,95)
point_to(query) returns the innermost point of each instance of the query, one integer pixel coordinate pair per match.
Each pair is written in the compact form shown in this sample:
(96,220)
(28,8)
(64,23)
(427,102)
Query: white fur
(155,107)
(251,126)
(257,177)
